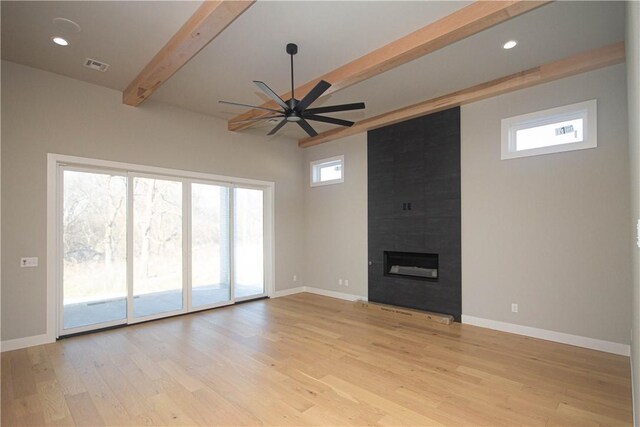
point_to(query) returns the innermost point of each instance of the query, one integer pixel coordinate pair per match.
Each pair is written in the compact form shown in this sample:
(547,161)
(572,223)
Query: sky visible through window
(330,172)
(565,132)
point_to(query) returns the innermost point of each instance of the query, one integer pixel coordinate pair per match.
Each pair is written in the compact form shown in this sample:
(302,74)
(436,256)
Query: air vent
(95,65)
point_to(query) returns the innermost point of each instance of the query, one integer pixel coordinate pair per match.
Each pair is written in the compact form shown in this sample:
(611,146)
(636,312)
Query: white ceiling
(124,34)
(329,34)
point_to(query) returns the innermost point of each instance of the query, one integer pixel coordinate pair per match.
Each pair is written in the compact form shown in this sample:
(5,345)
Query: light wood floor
(307,359)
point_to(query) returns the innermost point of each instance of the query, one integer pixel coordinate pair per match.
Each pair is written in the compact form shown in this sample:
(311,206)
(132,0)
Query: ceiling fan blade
(256,119)
(335,108)
(266,89)
(250,106)
(313,94)
(307,127)
(278,126)
(328,120)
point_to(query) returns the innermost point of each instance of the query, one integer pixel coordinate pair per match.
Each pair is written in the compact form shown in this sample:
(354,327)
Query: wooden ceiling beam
(211,19)
(576,64)
(460,24)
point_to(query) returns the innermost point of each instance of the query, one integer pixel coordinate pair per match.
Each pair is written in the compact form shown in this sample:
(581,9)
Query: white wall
(550,232)
(47,113)
(633,93)
(336,220)
(566,211)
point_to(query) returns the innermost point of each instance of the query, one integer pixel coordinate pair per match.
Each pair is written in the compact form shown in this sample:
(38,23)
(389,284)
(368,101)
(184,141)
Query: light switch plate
(29,262)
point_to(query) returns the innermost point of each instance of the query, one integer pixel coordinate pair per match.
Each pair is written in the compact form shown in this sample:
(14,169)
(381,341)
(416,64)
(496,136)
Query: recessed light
(510,44)
(60,41)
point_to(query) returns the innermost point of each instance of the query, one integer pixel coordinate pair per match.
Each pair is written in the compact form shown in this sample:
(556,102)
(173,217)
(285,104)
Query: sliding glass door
(157,247)
(210,246)
(136,247)
(94,251)
(248,242)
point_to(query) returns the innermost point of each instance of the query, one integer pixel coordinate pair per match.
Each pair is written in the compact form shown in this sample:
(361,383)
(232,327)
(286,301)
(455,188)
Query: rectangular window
(571,127)
(327,171)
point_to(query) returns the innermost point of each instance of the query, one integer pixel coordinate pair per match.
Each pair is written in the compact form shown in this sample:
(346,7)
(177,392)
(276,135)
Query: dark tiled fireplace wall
(416,162)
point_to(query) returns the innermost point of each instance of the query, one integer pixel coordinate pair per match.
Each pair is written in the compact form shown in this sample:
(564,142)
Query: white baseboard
(285,292)
(25,342)
(561,337)
(334,294)
(317,291)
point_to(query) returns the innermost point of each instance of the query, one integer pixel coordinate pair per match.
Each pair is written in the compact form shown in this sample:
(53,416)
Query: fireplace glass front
(412,265)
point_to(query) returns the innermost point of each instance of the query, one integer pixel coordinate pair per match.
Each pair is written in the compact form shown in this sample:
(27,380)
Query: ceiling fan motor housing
(292,48)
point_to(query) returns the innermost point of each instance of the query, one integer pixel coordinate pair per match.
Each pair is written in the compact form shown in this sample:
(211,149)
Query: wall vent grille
(95,65)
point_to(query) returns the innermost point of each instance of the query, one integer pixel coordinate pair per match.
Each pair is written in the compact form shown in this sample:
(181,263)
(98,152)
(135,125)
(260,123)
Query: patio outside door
(157,223)
(94,251)
(210,245)
(248,242)
(137,247)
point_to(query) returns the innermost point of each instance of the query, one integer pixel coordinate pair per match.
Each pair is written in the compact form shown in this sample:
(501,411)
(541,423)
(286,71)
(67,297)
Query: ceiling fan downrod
(292,49)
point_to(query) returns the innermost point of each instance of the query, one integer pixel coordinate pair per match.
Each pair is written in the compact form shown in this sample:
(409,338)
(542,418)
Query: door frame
(54,182)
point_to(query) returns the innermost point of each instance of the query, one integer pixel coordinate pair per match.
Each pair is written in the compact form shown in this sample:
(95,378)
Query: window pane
(157,246)
(248,239)
(330,172)
(210,244)
(565,132)
(94,248)
(327,171)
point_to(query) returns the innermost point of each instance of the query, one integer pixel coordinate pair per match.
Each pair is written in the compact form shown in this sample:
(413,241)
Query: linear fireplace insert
(411,265)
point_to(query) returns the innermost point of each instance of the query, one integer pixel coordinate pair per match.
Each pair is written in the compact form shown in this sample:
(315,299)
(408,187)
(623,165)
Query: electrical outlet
(295,278)
(340,282)
(29,262)
(346,282)
(514,308)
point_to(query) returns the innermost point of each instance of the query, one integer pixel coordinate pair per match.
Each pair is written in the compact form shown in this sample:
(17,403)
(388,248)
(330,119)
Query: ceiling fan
(298,111)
